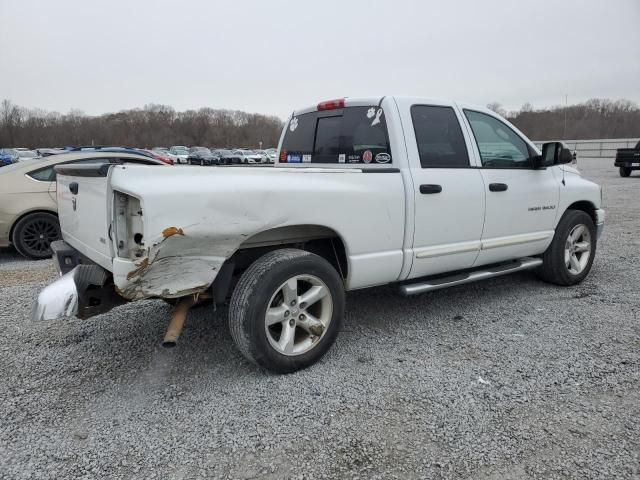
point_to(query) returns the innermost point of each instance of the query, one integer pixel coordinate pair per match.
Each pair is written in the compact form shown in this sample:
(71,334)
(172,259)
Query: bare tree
(11,118)
(153,125)
(497,107)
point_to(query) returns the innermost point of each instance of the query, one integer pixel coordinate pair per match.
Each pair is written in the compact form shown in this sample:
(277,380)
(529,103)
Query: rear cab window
(350,135)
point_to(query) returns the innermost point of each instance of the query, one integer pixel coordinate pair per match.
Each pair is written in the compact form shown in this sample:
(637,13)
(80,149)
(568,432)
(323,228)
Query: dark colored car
(202,156)
(627,160)
(228,157)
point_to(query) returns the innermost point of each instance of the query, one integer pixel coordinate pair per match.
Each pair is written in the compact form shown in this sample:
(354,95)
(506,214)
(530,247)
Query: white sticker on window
(306,158)
(376,120)
(294,124)
(342,157)
(371,112)
(383,158)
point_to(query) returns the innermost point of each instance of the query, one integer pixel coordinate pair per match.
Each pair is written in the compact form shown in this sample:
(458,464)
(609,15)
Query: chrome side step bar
(437,283)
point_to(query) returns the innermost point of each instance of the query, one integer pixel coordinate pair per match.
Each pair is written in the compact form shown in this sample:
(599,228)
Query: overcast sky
(271,56)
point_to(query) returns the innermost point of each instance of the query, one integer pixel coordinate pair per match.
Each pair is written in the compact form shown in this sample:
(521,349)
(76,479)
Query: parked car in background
(181,152)
(12,153)
(47,152)
(202,156)
(5,159)
(249,156)
(25,154)
(28,211)
(158,156)
(272,153)
(263,154)
(627,160)
(166,153)
(229,157)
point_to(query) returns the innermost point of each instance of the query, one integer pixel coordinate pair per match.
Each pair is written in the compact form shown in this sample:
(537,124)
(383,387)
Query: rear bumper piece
(634,164)
(600,215)
(83,290)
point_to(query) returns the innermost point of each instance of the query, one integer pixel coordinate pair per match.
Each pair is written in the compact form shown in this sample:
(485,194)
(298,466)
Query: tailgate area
(84,208)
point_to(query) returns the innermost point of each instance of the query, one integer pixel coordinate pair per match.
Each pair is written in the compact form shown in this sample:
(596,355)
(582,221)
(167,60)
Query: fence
(595,148)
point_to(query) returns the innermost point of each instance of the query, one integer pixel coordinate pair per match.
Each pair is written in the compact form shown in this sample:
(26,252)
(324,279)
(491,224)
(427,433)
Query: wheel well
(322,241)
(585,206)
(31,212)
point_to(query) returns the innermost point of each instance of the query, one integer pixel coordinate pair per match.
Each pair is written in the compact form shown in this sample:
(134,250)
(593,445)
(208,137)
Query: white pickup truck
(418,192)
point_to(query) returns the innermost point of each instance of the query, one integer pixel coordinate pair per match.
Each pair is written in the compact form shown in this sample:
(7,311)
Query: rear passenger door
(448,190)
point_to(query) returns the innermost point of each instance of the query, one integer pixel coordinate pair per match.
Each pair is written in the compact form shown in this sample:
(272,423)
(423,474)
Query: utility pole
(566,104)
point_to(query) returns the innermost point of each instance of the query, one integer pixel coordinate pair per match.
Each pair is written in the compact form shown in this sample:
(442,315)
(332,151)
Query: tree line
(595,119)
(153,125)
(161,125)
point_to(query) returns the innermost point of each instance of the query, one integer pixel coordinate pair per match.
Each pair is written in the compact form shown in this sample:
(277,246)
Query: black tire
(624,171)
(33,234)
(254,291)
(554,268)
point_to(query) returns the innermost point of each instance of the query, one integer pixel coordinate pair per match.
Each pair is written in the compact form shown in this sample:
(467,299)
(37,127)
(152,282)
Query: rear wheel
(286,310)
(568,259)
(625,171)
(33,234)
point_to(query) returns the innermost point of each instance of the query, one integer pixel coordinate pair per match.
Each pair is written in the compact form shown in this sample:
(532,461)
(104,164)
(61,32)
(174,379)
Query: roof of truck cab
(368,101)
(349,102)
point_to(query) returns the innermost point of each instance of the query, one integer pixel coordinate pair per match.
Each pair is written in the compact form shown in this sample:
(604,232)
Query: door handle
(498,187)
(73,187)
(426,189)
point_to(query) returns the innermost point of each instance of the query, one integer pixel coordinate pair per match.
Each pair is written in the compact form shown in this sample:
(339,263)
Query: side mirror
(555,153)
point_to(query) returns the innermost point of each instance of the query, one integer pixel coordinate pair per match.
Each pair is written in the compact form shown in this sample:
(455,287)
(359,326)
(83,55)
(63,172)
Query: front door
(521,202)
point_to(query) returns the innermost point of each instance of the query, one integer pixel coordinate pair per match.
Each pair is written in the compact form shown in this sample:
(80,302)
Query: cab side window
(439,137)
(499,146)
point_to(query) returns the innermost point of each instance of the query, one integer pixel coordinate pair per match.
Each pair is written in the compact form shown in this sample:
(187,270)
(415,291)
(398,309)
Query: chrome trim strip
(516,240)
(450,249)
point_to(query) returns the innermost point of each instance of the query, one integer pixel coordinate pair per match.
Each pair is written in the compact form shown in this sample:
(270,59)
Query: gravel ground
(511,378)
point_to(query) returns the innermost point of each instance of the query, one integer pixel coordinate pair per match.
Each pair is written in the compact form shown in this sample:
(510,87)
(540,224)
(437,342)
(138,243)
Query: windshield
(179,150)
(27,154)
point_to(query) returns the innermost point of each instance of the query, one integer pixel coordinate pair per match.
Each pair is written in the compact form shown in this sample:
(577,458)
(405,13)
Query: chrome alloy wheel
(298,315)
(577,249)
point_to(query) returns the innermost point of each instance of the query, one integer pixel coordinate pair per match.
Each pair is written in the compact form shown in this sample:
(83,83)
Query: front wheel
(568,259)
(625,171)
(286,310)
